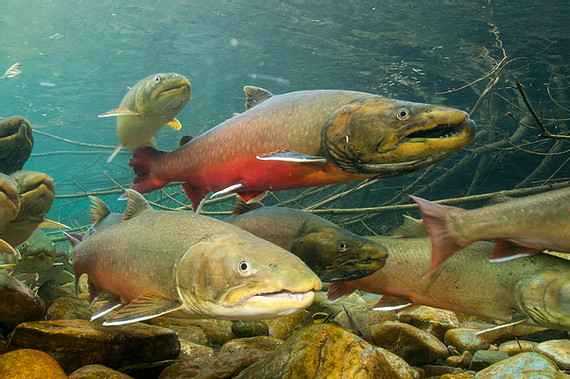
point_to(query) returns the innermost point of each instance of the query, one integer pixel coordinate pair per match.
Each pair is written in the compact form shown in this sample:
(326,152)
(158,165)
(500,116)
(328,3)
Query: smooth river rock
(328,351)
(557,350)
(360,318)
(514,347)
(17,304)
(523,365)
(284,327)
(233,357)
(29,363)
(97,372)
(76,343)
(465,339)
(218,332)
(432,320)
(485,358)
(69,308)
(416,346)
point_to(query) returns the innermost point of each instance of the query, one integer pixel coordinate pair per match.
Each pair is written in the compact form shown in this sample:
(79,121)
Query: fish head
(162,95)
(9,200)
(38,253)
(545,299)
(239,276)
(335,254)
(16,143)
(377,135)
(37,192)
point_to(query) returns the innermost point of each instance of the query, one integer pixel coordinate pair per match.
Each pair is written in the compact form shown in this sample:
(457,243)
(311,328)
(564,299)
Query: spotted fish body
(163,261)
(519,226)
(304,139)
(535,289)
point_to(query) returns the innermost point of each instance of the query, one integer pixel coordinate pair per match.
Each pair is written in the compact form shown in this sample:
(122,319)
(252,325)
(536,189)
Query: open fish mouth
(440,131)
(14,127)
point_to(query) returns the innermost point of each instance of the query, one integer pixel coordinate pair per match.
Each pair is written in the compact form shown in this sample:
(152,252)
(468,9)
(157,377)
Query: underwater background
(78,59)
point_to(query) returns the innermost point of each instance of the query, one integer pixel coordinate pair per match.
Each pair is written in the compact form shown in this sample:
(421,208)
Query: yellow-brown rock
(69,308)
(325,351)
(28,364)
(360,318)
(76,343)
(523,366)
(557,350)
(284,327)
(408,342)
(217,332)
(465,339)
(97,372)
(514,347)
(432,320)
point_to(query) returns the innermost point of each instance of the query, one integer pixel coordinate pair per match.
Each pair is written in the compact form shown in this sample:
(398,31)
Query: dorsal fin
(255,96)
(98,209)
(242,207)
(410,228)
(136,204)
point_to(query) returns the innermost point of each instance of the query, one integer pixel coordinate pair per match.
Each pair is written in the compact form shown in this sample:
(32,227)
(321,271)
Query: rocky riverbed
(49,335)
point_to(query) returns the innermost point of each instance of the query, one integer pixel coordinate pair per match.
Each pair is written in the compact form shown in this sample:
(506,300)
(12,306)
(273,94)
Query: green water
(79,57)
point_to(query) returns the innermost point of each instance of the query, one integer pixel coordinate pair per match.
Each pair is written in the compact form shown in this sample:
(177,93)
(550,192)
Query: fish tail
(443,243)
(141,162)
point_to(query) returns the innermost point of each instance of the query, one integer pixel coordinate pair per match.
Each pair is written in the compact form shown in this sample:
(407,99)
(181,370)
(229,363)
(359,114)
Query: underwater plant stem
(71,141)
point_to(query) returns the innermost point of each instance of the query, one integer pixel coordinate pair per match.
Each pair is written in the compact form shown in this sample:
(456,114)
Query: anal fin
(106,308)
(148,305)
(506,250)
(392,303)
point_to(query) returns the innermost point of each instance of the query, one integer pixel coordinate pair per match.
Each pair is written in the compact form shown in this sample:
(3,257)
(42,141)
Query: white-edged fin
(73,240)
(106,308)
(496,331)
(5,247)
(256,198)
(392,303)
(136,204)
(338,291)
(9,266)
(148,305)
(51,224)
(509,258)
(229,189)
(114,153)
(291,156)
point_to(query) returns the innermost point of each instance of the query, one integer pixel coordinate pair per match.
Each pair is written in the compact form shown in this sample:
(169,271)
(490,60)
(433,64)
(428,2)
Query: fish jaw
(249,279)
(335,254)
(162,95)
(37,192)
(388,137)
(545,299)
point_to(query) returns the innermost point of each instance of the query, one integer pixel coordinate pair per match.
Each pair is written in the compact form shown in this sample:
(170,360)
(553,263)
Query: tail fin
(443,244)
(141,162)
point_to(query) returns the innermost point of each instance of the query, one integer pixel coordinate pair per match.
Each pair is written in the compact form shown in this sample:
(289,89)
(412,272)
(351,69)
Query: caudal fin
(443,244)
(141,162)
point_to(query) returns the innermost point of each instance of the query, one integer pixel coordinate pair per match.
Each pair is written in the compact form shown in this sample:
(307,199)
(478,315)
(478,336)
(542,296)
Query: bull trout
(147,107)
(333,253)
(157,262)
(521,226)
(9,208)
(36,193)
(533,291)
(16,143)
(305,139)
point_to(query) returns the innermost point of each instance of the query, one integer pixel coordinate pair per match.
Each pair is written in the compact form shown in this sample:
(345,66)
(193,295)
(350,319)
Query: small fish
(333,253)
(36,194)
(147,107)
(534,291)
(520,227)
(156,262)
(306,139)
(9,208)
(12,71)
(16,143)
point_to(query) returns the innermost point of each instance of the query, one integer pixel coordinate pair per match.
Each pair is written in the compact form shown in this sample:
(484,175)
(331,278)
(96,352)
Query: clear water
(79,57)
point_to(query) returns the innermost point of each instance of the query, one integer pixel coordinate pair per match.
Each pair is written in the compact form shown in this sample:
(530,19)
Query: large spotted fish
(305,139)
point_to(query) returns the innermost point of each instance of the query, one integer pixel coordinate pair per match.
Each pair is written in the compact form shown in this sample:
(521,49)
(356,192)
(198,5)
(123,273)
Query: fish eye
(157,79)
(403,114)
(342,246)
(244,268)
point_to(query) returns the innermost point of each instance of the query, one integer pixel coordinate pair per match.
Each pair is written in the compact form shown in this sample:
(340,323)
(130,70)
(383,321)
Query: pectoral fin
(51,224)
(119,112)
(106,308)
(507,250)
(493,333)
(174,124)
(147,305)
(291,156)
(392,303)
(338,291)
